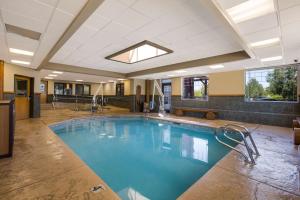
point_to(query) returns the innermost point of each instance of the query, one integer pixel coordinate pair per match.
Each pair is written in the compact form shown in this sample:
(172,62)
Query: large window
(82,89)
(62,89)
(195,88)
(272,84)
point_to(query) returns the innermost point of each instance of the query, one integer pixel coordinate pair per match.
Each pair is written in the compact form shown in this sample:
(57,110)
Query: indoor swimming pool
(143,158)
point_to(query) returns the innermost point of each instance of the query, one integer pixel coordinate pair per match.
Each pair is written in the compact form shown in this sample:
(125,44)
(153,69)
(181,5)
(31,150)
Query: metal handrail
(243,134)
(247,133)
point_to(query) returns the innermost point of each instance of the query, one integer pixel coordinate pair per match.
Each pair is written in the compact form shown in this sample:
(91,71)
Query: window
(83,89)
(21,87)
(139,52)
(62,89)
(272,84)
(120,89)
(59,88)
(195,88)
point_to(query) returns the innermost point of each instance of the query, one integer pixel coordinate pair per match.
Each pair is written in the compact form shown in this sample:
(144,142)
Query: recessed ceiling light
(250,9)
(111,81)
(54,75)
(20,62)
(216,66)
(264,43)
(79,80)
(102,82)
(180,71)
(121,79)
(20,51)
(57,72)
(171,75)
(48,77)
(271,59)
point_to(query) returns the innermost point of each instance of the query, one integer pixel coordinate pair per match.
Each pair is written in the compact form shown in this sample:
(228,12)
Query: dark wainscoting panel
(237,109)
(36,106)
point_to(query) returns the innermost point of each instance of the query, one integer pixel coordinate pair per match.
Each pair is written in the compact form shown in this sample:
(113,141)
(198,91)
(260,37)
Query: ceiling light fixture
(20,62)
(48,77)
(180,71)
(111,81)
(250,9)
(79,80)
(57,72)
(171,75)
(20,51)
(271,59)
(54,75)
(264,43)
(121,79)
(102,82)
(216,66)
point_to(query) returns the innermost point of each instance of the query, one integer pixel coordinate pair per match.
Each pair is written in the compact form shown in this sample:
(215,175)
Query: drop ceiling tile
(132,19)
(52,3)
(290,15)
(28,8)
(226,4)
(72,7)
(23,21)
(258,24)
(268,51)
(153,8)
(96,21)
(284,4)
(111,9)
(128,2)
(19,42)
(263,35)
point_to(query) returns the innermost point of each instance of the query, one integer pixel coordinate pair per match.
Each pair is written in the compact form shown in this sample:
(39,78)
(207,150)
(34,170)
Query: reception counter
(7,123)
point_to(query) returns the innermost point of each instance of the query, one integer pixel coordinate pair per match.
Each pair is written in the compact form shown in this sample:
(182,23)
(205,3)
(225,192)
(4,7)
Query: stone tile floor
(43,167)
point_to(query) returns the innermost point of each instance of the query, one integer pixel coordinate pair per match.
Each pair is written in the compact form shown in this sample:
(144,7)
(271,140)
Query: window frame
(265,68)
(198,98)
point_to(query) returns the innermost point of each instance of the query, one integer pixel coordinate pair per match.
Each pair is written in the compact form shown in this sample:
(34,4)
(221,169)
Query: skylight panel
(142,51)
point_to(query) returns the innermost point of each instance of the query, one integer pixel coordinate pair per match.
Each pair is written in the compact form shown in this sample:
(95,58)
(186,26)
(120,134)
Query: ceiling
(69,76)
(195,33)
(193,29)
(48,17)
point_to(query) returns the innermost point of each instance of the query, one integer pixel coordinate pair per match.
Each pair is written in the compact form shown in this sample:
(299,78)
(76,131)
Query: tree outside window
(273,84)
(195,88)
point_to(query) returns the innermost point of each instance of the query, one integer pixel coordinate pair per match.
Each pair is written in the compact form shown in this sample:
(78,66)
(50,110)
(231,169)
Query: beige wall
(227,83)
(176,86)
(108,88)
(220,84)
(11,70)
(128,87)
(50,87)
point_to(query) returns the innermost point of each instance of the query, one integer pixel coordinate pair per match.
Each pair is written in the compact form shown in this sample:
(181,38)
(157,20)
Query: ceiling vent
(23,32)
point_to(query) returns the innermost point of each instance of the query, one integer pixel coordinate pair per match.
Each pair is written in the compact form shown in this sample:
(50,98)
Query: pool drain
(97,188)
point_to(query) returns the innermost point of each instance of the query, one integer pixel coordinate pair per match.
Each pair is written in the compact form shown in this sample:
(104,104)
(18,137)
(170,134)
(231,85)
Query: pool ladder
(244,133)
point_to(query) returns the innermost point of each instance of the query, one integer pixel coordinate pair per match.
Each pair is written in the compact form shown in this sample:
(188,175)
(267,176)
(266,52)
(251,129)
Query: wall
(9,76)
(227,83)
(226,95)
(10,71)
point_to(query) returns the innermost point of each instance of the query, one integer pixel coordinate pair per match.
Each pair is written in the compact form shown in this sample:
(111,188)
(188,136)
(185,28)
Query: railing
(244,133)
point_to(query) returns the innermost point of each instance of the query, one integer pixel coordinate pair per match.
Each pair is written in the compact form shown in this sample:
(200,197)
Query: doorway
(23,97)
(44,91)
(167,90)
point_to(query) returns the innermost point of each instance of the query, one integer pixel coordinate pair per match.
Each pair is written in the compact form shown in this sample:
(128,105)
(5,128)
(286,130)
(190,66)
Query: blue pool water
(143,158)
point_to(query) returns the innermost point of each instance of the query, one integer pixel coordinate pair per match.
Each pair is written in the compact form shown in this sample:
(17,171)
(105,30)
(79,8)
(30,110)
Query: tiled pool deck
(43,167)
